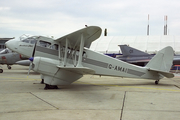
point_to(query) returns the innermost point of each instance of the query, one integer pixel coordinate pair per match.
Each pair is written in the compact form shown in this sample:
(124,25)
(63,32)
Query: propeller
(31,59)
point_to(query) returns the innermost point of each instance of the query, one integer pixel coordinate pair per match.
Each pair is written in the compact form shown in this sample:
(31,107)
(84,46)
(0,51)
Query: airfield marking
(32,79)
(147,88)
(131,87)
(17,79)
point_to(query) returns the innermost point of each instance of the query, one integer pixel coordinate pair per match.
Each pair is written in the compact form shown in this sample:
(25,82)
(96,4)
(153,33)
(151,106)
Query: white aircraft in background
(65,60)
(10,58)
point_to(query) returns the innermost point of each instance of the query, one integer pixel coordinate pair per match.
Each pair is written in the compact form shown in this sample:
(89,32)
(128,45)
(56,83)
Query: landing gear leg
(42,81)
(156,82)
(50,87)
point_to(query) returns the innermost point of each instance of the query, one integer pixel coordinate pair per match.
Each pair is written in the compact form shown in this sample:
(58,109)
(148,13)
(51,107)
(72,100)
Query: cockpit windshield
(5,51)
(29,39)
(40,40)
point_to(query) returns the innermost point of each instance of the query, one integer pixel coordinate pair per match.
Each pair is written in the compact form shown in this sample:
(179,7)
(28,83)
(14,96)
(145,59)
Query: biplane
(64,60)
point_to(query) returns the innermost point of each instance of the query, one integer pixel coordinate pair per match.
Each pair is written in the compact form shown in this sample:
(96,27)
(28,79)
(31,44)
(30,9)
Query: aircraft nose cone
(8,43)
(11,45)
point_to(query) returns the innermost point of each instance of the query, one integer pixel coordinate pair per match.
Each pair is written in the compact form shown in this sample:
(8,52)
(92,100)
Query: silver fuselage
(101,64)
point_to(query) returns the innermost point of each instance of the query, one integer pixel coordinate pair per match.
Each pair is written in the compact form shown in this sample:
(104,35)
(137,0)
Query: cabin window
(44,43)
(54,47)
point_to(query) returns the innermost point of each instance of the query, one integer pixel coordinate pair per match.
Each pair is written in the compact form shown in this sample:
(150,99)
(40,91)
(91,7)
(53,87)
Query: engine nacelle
(52,74)
(23,62)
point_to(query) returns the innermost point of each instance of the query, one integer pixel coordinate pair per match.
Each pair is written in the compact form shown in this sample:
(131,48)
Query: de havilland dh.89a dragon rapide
(65,60)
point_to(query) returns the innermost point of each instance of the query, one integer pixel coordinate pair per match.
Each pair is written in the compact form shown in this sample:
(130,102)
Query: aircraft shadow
(26,72)
(86,86)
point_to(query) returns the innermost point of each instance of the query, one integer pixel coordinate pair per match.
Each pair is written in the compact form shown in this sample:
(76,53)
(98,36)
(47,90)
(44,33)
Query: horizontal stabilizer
(165,74)
(90,34)
(129,51)
(79,70)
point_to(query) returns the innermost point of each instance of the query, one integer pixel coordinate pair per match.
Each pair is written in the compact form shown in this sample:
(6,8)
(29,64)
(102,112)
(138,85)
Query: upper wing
(90,34)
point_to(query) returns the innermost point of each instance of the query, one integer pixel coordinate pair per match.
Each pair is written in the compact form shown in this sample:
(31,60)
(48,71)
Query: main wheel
(1,70)
(9,67)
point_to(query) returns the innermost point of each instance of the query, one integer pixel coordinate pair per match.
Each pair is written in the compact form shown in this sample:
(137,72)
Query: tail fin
(129,51)
(162,62)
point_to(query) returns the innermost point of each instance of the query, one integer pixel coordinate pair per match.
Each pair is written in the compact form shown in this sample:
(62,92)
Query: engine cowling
(52,74)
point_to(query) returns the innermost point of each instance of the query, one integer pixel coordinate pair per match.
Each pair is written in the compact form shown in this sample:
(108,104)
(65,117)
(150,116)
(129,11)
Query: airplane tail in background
(162,62)
(129,51)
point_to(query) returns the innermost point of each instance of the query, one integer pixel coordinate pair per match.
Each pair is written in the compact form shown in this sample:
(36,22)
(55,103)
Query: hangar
(149,44)
(2,42)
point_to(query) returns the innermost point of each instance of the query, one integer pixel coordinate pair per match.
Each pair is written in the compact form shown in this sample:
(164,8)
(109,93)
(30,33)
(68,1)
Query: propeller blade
(34,49)
(32,58)
(30,67)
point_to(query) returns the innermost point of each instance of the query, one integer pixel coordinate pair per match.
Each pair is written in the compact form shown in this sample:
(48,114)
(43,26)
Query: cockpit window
(33,41)
(28,39)
(44,43)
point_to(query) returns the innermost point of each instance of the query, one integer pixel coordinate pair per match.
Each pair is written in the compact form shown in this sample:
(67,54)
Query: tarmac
(90,98)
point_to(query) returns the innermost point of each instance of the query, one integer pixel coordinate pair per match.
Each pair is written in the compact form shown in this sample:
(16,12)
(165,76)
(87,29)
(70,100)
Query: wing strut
(66,50)
(59,50)
(81,51)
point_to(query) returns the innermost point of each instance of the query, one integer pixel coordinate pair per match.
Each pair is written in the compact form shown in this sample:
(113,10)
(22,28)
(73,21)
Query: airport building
(149,44)
(2,42)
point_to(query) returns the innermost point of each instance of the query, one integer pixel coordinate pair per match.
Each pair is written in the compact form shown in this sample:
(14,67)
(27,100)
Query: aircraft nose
(11,44)
(7,44)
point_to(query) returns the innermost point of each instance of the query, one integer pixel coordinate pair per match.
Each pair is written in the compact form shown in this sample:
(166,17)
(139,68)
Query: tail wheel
(156,82)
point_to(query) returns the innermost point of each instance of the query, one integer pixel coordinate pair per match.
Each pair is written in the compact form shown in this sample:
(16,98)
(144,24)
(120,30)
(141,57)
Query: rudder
(163,60)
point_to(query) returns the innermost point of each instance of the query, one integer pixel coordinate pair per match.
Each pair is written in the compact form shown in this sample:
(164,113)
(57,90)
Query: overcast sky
(60,17)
